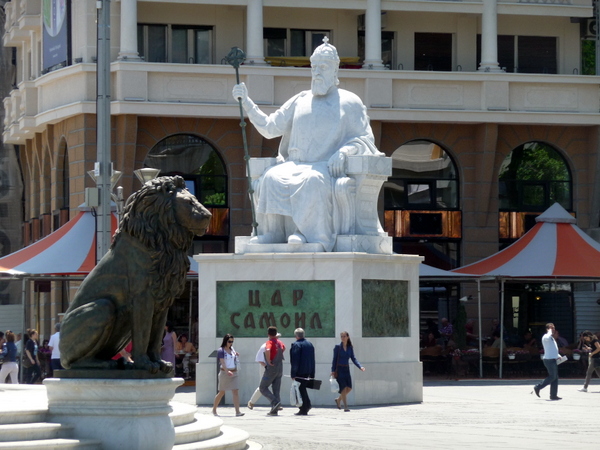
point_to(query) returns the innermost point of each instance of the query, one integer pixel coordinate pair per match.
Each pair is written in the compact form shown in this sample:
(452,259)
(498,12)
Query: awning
(70,250)
(554,248)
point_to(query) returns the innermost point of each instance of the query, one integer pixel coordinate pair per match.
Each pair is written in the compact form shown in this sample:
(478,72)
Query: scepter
(236,57)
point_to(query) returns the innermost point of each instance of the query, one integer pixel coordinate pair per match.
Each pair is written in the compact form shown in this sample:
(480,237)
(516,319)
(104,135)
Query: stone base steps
(53,444)
(28,429)
(34,431)
(196,431)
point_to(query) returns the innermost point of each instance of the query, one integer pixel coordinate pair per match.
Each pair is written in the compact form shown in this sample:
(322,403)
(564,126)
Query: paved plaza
(473,414)
(469,414)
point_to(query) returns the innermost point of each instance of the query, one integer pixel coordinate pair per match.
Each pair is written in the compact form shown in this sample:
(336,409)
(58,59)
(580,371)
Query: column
(373,36)
(254,33)
(129,43)
(489,38)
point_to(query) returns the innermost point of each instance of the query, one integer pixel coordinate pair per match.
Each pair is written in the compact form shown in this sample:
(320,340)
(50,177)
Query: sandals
(337,402)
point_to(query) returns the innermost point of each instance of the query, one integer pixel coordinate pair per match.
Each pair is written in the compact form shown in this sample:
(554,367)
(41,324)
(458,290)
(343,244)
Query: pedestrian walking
(302,359)
(591,341)
(10,365)
(260,359)
(228,374)
(550,360)
(274,349)
(34,372)
(53,344)
(340,368)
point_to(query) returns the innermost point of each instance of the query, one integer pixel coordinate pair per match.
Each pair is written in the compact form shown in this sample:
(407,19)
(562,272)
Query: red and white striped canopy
(554,248)
(70,250)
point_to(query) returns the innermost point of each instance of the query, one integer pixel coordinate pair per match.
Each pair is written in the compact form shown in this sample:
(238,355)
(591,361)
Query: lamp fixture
(146,174)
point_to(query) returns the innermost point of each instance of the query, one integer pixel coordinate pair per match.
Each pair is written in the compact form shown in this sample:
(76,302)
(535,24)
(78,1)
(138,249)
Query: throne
(355,215)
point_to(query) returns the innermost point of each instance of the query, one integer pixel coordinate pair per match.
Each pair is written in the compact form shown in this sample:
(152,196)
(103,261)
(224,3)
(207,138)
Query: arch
(424,176)
(46,181)
(533,177)
(197,161)
(34,187)
(61,182)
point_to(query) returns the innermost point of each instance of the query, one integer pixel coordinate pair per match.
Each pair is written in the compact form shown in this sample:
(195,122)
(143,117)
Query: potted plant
(576,354)
(511,356)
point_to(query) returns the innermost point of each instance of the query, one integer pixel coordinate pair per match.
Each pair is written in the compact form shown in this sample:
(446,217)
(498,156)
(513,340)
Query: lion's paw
(166,367)
(144,363)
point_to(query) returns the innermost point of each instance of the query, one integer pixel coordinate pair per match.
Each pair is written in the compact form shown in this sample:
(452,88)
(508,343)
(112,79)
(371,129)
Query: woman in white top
(228,380)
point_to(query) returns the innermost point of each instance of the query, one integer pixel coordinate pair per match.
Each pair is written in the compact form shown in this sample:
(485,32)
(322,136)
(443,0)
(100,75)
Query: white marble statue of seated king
(320,128)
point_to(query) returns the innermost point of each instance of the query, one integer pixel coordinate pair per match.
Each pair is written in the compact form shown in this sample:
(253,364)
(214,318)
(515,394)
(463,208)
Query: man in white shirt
(260,359)
(550,360)
(53,344)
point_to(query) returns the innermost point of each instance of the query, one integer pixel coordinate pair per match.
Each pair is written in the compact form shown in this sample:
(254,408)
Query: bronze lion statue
(128,294)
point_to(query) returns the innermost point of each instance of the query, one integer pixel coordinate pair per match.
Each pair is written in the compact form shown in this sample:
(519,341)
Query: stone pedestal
(375,298)
(121,413)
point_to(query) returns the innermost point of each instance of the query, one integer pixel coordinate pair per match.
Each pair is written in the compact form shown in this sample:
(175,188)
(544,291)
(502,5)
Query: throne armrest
(371,165)
(369,172)
(257,166)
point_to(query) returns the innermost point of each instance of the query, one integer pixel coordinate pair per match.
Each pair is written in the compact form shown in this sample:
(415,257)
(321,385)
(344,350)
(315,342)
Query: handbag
(26,363)
(335,386)
(295,397)
(313,384)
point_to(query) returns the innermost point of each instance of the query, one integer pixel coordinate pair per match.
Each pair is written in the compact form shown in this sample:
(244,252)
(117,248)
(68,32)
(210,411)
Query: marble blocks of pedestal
(131,414)
(393,370)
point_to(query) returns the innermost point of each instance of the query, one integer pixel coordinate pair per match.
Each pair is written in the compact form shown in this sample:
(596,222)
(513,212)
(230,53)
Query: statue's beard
(319,86)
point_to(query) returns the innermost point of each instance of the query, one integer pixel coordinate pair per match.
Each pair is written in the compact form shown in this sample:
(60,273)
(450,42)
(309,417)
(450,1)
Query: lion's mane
(149,216)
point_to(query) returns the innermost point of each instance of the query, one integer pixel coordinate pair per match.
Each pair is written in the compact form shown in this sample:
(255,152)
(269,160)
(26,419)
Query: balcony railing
(205,91)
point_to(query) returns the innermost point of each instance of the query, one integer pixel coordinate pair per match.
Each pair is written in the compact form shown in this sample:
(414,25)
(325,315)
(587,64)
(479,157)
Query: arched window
(197,162)
(421,202)
(533,177)
(423,177)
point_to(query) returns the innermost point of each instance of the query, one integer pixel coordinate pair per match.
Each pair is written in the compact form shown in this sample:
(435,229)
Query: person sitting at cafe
(498,342)
(529,340)
(429,341)
(560,341)
(472,338)
(446,330)
(184,350)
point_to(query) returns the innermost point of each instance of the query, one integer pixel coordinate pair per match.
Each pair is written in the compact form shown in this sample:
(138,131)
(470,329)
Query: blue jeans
(552,378)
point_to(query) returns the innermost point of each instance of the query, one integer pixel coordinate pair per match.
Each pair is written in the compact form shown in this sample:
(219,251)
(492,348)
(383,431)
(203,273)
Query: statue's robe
(313,128)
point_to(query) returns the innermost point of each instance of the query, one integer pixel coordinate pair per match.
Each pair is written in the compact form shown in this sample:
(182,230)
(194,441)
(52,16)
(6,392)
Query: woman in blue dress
(340,368)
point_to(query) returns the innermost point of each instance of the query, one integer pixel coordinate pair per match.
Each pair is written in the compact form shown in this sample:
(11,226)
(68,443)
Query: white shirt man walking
(53,344)
(550,360)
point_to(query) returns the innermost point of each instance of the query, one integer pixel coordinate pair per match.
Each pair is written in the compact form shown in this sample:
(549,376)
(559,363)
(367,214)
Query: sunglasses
(230,342)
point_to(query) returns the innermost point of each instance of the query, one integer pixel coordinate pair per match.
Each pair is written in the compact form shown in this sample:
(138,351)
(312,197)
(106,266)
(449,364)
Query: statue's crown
(325,51)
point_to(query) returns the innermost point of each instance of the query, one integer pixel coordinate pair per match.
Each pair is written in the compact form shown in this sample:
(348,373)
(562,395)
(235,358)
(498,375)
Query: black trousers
(306,405)
(33,374)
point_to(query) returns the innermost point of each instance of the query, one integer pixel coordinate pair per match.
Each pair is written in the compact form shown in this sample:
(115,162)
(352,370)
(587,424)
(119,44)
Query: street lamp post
(118,197)
(102,168)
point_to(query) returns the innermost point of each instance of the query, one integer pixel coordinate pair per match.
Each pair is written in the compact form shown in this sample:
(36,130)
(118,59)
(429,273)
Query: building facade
(483,106)
(11,194)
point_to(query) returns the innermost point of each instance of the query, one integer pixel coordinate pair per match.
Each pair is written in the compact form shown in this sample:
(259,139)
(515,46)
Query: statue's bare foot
(297,238)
